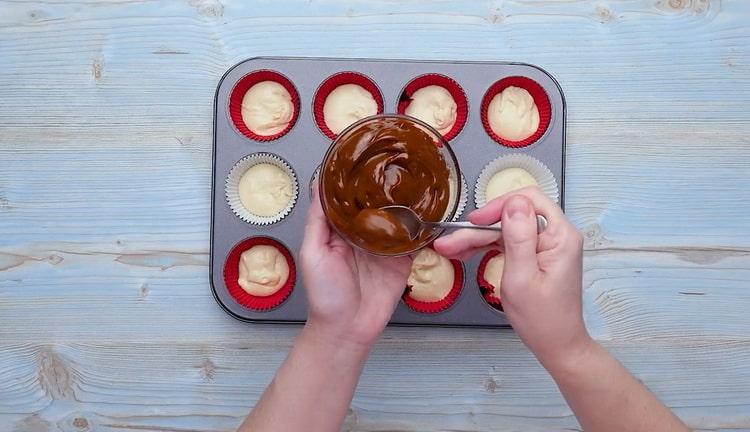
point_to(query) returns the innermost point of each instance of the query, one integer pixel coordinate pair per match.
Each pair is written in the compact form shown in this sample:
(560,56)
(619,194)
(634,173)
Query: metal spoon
(414,224)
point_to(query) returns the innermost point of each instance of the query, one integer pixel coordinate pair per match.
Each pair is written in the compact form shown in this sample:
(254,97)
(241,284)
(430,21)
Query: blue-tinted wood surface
(106,318)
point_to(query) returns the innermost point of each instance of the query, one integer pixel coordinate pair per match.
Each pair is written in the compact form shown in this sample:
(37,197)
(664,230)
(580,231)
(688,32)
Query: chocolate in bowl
(387,160)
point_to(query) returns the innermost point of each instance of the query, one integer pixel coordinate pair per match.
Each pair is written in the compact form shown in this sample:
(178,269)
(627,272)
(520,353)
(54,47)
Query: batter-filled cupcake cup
(489,285)
(429,275)
(261,189)
(343,99)
(264,105)
(260,273)
(516,100)
(436,100)
(511,172)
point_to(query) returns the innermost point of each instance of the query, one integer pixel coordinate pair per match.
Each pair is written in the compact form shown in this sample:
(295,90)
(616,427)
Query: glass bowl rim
(437,232)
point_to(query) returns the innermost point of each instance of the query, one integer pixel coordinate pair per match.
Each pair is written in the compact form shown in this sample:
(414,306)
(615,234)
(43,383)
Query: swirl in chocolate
(387,160)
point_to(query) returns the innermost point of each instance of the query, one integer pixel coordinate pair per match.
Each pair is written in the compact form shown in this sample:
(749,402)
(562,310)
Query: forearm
(313,387)
(604,396)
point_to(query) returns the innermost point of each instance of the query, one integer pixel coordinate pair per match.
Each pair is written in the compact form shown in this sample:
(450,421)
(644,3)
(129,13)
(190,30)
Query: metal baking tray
(305,145)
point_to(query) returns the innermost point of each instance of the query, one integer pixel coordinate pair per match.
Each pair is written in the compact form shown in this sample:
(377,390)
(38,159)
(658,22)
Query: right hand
(541,282)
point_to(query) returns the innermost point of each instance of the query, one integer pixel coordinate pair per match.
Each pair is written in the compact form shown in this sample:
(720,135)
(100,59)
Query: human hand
(541,281)
(351,294)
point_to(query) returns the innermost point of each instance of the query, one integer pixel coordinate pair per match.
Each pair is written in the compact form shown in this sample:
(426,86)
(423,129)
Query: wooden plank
(458,384)
(161,295)
(90,102)
(644,195)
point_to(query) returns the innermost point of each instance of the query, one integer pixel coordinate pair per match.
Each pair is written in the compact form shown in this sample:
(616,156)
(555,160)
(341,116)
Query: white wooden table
(106,318)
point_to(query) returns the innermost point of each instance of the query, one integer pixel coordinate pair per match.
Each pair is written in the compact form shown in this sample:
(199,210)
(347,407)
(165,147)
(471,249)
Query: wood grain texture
(106,319)
(208,386)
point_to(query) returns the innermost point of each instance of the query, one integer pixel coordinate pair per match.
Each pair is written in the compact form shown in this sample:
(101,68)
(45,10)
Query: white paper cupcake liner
(543,176)
(463,198)
(231,189)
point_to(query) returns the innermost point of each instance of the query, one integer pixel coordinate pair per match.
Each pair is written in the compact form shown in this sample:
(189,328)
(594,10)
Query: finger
(464,240)
(336,242)
(317,231)
(467,255)
(390,293)
(544,206)
(520,241)
(402,267)
(557,223)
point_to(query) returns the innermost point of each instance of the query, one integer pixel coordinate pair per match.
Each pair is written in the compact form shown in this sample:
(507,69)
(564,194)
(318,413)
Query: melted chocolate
(385,161)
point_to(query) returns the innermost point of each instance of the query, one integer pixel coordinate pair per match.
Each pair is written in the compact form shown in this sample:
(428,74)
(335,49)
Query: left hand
(351,294)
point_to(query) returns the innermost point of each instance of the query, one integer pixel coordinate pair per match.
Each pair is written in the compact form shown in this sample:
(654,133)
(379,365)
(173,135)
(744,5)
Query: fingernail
(517,208)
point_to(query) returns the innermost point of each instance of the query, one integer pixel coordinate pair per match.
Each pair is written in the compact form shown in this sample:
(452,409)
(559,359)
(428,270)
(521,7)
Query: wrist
(334,341)
(571,358)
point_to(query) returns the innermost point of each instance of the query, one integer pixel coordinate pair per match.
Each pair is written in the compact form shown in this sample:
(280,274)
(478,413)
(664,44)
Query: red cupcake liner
(243,85)
(231,274)
(459,97)
(540,99)
(446,302)
(485,287)
(330,84)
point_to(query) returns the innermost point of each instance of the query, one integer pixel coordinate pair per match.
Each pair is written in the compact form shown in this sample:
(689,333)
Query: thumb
(520,242)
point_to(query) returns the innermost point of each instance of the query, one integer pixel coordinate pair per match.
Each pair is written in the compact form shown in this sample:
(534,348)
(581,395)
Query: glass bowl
(399,169)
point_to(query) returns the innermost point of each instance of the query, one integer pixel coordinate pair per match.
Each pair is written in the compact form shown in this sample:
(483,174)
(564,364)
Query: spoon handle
(541,223)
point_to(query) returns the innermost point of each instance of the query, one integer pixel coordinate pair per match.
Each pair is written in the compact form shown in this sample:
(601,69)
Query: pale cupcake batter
(345,105)
(431,277)
(263,270)
(513,114)
(267,108)
(435,106)
(493,273)
(265,189)
(508,180)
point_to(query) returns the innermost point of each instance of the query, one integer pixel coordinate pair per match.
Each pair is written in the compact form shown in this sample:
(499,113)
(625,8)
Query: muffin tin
(304,144)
